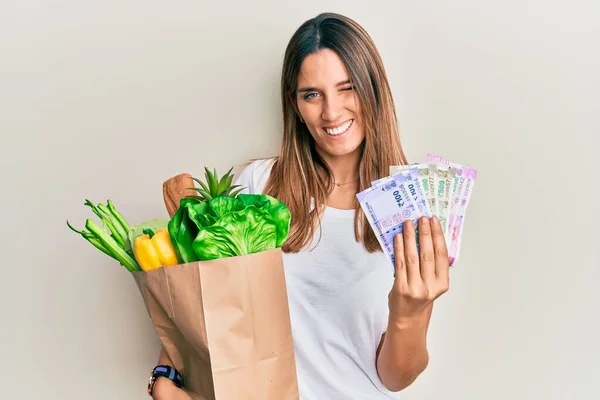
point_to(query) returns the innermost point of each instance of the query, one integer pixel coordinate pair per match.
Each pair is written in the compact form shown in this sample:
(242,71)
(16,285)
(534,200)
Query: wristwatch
(166,371)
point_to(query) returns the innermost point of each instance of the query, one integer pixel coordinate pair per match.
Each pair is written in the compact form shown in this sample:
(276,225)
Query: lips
(338,130)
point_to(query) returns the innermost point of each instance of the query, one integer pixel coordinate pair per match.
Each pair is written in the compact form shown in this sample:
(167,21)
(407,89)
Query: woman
(359,325)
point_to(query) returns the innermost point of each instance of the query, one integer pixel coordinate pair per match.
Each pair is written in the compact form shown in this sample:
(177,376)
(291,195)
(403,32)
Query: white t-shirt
(338,300)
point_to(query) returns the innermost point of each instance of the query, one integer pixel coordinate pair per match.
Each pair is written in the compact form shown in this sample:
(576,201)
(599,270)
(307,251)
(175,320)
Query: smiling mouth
(340,129)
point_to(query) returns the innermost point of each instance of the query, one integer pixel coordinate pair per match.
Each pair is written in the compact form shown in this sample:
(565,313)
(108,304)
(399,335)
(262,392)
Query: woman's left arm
(421,277)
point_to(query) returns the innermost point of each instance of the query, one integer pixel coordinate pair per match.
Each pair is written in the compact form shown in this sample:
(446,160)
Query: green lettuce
(183,229)
(228,226)
(276,209)
(247,231)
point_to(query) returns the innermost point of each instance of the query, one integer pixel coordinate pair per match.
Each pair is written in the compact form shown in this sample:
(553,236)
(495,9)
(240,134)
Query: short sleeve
(244,178)
(254,175)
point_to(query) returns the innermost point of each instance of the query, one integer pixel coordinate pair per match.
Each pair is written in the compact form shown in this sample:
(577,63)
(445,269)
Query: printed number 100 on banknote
(387,206)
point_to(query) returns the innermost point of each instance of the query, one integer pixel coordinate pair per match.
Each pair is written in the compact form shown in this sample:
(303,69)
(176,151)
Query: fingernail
(424,220)
(435,220)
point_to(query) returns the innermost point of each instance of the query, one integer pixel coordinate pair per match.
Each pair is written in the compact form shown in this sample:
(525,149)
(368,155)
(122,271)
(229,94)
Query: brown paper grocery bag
(225,325)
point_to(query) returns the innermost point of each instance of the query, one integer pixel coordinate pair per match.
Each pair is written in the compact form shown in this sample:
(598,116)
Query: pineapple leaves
(226,180)
(212,182)
(214,186)
(235,193)
(202,184)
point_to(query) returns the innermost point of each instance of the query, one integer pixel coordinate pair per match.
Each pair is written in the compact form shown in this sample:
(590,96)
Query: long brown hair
(295,177)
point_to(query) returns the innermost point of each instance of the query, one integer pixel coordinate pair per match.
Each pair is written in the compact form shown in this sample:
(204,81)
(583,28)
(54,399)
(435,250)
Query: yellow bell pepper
(154,250)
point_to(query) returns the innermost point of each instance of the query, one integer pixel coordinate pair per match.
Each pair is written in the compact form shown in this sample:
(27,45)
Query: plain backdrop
(107,99)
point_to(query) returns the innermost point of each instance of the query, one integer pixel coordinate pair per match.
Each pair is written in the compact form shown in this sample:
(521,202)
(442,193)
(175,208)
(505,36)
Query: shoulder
(253,174)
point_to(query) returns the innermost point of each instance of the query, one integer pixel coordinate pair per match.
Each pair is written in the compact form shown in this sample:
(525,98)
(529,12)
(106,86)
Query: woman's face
(329,105)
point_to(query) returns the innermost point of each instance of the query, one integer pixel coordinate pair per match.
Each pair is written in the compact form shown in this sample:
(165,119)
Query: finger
(426,254)
(411,256)
(399,259)
(440,251)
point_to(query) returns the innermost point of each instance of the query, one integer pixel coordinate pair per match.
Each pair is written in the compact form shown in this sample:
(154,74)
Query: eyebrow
(312,89)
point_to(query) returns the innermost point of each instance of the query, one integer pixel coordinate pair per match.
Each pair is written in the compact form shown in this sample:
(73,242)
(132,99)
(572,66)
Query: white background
(108,99)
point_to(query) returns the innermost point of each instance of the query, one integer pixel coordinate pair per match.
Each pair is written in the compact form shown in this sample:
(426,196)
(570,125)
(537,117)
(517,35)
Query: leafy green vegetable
(227,226)
(201,214)
(221,222)
(224,205)
(183,230)
(237,233)
(278,211)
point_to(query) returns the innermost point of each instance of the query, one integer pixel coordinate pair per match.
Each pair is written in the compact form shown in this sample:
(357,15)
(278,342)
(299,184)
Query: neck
(344,168)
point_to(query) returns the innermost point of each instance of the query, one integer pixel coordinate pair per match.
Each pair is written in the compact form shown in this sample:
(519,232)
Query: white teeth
(339,130)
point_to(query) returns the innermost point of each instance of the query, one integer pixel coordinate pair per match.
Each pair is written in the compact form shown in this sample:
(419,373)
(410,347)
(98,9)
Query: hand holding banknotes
(421,276)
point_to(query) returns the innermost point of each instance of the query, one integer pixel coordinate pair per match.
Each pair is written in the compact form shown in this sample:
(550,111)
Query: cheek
(305,110)
(312,116)
(354,107)
(353,103)
(361,133)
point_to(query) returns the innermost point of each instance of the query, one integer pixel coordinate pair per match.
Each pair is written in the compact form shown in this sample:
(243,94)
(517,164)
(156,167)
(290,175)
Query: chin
(345,151)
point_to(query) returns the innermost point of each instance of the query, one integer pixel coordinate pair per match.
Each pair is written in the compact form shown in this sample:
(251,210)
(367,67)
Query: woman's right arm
(164,388)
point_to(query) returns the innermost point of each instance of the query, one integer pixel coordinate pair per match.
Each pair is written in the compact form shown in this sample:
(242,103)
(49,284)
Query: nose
(332,108)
